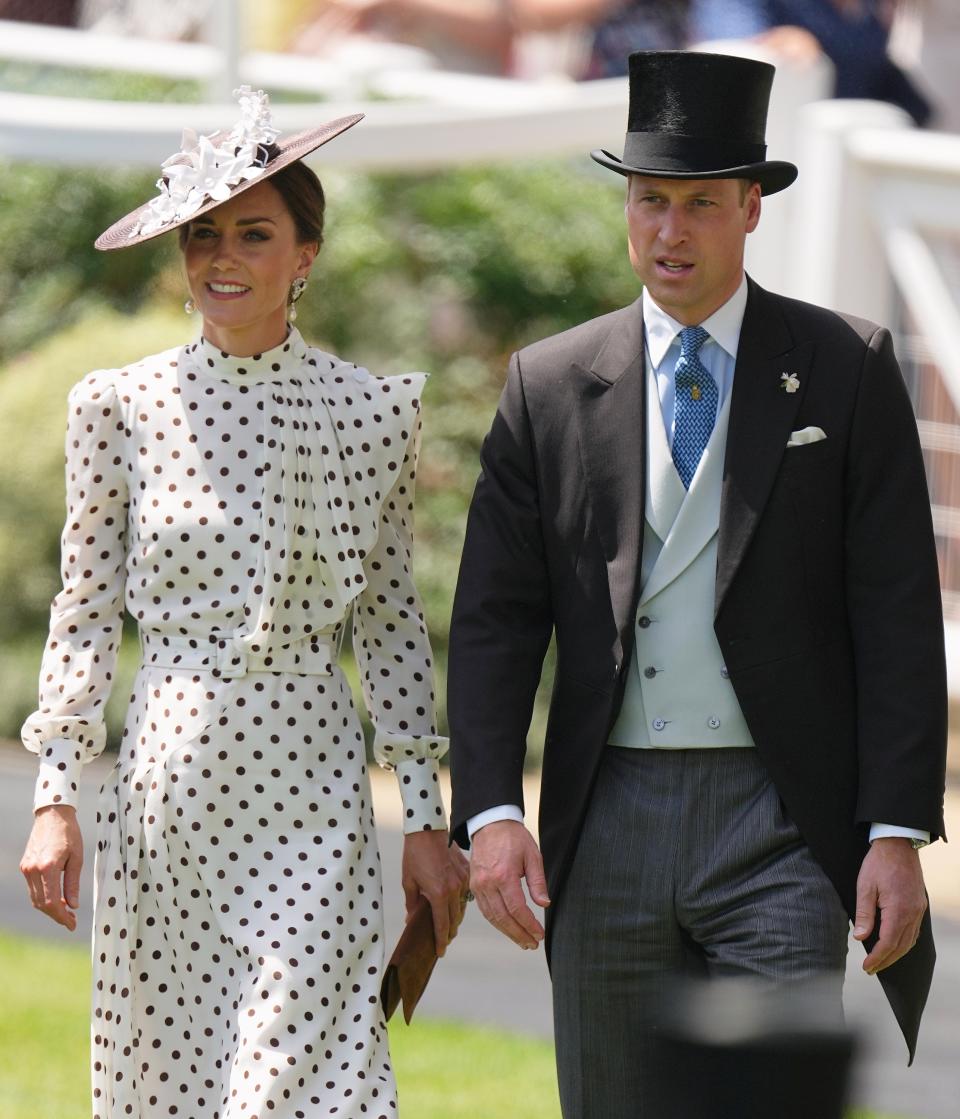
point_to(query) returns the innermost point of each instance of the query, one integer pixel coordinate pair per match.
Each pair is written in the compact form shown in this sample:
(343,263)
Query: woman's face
(240,259)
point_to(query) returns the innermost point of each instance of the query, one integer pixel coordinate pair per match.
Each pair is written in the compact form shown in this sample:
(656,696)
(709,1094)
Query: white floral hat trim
(204,170)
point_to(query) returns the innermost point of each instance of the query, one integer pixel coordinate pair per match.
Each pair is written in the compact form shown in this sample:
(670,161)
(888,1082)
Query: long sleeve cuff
(492,816)
(58,781)
(420,793)
(886,831)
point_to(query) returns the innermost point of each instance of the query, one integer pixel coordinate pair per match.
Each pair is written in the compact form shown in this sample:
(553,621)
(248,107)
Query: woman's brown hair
(302,194)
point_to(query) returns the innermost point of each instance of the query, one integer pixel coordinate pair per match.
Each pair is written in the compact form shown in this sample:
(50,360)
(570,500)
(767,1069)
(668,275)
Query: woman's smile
(221,290)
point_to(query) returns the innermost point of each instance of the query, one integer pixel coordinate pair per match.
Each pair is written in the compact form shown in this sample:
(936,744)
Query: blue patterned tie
(696,404)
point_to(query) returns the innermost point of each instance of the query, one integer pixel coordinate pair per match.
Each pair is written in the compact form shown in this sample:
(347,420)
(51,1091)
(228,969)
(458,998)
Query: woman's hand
(52,862)
(440,873)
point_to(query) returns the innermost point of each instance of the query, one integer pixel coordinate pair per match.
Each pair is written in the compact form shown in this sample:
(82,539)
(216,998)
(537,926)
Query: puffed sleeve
(78,664)
(393,653)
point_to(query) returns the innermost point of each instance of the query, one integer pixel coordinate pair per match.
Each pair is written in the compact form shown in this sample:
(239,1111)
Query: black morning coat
(828,608)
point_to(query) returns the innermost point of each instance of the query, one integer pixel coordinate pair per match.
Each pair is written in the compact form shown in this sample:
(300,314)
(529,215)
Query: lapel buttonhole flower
(789,382)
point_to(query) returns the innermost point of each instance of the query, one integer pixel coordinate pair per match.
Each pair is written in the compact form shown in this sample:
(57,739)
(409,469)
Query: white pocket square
(806,435)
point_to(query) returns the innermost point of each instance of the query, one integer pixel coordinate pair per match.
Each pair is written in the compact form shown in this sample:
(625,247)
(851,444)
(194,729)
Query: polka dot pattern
(240,509)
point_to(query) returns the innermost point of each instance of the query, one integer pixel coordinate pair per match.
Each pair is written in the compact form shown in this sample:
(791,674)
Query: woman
(240,496)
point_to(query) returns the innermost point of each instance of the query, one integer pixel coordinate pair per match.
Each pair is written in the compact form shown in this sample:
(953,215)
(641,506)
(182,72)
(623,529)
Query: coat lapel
(611,422)
(762,416)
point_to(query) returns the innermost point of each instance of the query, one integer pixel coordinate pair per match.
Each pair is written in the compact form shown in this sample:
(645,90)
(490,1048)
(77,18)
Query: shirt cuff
(492,815)
(891,831)
(58,781)
(420,792)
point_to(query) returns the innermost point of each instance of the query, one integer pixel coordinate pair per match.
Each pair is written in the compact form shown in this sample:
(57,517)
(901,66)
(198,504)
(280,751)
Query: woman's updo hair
(302,194)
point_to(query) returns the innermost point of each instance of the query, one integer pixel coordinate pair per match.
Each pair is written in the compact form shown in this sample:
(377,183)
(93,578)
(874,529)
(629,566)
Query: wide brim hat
(226,163)
(694,115)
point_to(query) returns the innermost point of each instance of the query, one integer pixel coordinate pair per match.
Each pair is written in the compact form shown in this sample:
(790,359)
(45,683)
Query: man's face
(686,240)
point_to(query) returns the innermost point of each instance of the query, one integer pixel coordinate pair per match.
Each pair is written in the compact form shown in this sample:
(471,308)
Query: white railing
(877,223)
(395,135)
(430,118)
(217,65)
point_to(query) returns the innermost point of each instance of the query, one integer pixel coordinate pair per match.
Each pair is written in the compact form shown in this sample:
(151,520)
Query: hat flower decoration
(204,170)
(210,169)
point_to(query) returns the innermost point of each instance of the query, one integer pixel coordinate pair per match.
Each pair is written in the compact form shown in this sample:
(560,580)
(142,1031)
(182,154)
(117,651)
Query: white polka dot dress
(239,509)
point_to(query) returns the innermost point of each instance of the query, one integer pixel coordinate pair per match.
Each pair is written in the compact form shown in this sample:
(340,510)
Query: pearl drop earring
(297,288)
(189,307)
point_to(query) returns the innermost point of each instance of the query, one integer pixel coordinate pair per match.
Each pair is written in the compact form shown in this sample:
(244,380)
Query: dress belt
(222,655)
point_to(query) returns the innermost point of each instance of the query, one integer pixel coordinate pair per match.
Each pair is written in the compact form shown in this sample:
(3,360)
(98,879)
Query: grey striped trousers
(687,865)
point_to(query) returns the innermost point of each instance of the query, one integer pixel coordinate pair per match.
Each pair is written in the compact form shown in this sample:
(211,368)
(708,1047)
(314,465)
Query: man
(715,499)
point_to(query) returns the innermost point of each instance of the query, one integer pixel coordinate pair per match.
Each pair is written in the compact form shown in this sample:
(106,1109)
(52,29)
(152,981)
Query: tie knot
(691,339)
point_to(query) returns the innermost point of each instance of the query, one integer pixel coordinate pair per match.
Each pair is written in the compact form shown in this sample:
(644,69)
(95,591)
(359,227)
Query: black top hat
(698,116)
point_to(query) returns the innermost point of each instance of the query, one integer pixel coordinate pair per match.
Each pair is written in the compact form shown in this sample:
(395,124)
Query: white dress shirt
(719,356)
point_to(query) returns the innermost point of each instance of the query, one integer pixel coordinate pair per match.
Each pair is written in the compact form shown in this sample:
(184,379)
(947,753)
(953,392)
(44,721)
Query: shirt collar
(723,325)
(283,361)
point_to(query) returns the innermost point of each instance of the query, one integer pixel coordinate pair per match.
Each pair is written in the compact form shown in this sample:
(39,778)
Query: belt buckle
(231,659)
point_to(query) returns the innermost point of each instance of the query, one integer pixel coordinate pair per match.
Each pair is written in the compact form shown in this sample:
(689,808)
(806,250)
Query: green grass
(445,1070)
(44,1030)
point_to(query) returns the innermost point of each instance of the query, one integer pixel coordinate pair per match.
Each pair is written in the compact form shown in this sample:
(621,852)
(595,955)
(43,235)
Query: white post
(836,253)
(223,31)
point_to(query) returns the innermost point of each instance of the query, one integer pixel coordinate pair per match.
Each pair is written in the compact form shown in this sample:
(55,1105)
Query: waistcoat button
(643,622)
(659,724)
(713,722)
(649,672)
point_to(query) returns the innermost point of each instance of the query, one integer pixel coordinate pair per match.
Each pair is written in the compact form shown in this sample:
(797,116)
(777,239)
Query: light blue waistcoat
(677,692)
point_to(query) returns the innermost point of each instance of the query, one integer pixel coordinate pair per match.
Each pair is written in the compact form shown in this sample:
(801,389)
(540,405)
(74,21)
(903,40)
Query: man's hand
(503,853)
(890,880)
(440,873)
(52,861)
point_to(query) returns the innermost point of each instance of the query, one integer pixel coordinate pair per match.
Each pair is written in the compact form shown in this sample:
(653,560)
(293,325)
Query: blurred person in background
(925,41)
(472,36)
(58,13)
(854,34)
(241,497)
(173,20)
(490,27)
(270,27)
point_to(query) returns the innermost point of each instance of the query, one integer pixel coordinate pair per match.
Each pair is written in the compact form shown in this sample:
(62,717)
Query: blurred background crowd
(901,51)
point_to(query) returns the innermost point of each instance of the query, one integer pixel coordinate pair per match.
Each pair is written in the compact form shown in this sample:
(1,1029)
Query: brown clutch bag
(411,965)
